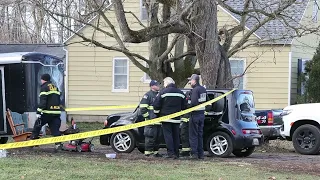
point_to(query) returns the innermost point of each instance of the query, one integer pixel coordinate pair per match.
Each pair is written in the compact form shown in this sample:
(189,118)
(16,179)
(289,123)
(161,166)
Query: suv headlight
(286,112)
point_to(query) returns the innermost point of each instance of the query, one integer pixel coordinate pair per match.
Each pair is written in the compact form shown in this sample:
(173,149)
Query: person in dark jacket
(196,123)
(49,109)
(152,133)
(170,100)
(185,151)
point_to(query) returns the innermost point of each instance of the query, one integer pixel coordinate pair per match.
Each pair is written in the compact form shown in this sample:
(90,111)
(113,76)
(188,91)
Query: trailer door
(3,123)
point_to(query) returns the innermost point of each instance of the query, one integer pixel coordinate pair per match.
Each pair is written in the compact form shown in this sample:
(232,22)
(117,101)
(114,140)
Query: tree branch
(144,35)
(191,53)
(98,44)
(169,49)
(120,42)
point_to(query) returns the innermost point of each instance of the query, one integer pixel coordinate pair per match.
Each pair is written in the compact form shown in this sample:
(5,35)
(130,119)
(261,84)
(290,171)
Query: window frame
(113,74)
(244,82)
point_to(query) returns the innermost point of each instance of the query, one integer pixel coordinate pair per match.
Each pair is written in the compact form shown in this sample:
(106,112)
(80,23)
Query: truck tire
(306,139)
(220,144)
(123,142)
(3,140)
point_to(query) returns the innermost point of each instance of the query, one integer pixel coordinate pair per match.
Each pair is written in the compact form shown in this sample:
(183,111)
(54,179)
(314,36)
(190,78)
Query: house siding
(90,71)
(303,48)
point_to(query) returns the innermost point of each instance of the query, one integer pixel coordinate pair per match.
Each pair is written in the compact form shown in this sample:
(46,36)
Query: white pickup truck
(301,125)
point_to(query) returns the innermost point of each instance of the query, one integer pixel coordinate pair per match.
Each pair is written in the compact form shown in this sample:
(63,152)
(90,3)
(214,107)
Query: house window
(120,75)
(143,11)
(315,11)
(146,77)
(237,69)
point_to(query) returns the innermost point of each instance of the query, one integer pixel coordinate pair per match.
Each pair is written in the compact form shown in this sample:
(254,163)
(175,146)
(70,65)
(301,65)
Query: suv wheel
(220,144)
(123,142)
(244,152)
(3,140)
(306,139)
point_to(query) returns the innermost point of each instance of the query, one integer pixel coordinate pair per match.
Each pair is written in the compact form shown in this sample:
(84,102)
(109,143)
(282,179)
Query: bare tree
(194,23)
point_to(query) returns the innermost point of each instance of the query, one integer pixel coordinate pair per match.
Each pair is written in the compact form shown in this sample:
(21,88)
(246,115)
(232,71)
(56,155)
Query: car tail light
(105,122)
(270,118)
(251,131)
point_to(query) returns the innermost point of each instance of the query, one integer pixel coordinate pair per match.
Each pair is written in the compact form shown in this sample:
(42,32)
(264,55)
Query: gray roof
(275,29)
(52,49)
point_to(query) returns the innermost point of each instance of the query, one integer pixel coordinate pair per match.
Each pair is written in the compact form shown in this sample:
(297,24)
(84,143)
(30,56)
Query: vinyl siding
(90,70)
(303,48)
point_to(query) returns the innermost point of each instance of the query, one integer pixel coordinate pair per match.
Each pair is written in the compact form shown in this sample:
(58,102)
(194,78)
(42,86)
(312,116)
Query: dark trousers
(54,123)
(196,134)
(185,136)
(152,136)
(171,137)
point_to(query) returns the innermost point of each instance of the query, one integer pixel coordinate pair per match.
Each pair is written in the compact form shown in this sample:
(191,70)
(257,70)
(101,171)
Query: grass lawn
(63,167)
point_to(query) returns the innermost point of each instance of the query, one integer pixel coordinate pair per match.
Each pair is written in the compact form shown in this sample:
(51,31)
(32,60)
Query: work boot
(157,155)
(171,156)
(194,157)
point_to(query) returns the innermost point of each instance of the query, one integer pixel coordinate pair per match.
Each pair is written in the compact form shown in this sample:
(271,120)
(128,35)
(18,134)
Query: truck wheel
(244,152)
(220,144)
(123,142)
(3,140)
(306,139)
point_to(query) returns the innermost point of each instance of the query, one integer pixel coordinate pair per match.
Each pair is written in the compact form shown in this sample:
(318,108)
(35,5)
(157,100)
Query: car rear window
(245,102)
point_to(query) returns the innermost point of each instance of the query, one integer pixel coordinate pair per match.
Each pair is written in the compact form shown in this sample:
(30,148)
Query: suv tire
(244,152)
(123,142)
(3,140)
(306,139)
(220,144)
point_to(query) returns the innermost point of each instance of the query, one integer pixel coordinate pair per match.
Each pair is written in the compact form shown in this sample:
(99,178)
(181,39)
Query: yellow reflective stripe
(150,107)
(144,105)
(145,114)
(186,149)
(49,92)
(185,119)
(40,110)
(156,111)
(205,113)
(51,112)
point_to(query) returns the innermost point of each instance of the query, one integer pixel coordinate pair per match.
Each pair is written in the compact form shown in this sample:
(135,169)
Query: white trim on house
(289,78)
(113,74)
(66,78)
(226,11)
(244,67)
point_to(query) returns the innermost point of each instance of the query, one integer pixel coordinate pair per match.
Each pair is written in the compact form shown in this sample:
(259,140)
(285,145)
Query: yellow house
(98,77)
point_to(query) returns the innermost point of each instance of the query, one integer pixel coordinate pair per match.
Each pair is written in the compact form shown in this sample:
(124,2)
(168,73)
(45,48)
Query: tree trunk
(158,45)
(224,79)
(205,34)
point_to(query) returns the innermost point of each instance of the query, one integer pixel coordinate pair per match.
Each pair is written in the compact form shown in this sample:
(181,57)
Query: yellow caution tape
(106,131)
(98,108)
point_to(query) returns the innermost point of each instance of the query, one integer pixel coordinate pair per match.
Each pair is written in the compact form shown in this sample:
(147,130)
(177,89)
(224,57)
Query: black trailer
(20,74)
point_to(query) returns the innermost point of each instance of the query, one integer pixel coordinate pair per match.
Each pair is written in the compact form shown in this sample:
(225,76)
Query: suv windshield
(246,105)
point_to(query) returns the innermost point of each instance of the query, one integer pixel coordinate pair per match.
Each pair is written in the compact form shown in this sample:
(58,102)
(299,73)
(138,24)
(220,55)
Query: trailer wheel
(3,140)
